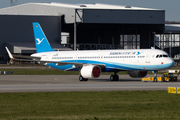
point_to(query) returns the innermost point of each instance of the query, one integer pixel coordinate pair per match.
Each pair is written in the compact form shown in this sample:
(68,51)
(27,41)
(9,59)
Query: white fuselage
(135,59)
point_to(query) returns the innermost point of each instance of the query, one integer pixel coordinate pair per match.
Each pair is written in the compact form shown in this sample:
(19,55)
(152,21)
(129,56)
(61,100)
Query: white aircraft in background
(90,63)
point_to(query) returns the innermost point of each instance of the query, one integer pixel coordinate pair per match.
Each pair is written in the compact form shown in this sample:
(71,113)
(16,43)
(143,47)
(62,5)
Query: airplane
(90,63)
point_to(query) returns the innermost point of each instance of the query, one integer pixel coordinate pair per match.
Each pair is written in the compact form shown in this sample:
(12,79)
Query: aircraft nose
(171,63)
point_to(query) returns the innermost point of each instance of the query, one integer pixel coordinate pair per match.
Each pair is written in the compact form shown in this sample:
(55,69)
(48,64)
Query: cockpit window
(165,56)
(162,55)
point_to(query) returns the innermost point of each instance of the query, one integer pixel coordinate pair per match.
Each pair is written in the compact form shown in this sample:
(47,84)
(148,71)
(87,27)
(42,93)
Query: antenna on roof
(14,2)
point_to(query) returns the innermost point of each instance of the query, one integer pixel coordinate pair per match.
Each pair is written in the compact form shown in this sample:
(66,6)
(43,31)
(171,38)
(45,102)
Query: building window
(1,58)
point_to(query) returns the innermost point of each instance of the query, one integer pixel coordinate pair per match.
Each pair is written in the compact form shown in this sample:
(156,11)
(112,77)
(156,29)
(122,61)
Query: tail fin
(42,44)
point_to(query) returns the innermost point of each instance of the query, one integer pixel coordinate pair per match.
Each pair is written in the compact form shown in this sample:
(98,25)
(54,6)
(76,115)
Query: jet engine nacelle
(90,71)
(137,74)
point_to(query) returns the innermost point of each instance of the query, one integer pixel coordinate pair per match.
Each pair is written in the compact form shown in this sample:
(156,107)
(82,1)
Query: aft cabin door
(45,57)
(148,55)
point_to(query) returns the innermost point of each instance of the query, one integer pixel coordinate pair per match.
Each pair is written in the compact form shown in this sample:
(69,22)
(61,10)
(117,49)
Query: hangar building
(88,25)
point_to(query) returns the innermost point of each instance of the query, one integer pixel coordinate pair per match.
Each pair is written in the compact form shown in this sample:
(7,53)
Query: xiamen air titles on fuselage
(90,63)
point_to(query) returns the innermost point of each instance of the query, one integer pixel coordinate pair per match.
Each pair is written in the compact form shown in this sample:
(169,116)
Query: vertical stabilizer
(42,44)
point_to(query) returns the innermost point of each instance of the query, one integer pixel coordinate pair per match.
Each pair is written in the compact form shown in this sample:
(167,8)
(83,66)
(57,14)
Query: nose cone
(171,64)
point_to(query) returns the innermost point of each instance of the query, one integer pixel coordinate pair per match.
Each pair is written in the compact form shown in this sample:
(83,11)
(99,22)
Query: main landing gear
(81,79)
(114,77)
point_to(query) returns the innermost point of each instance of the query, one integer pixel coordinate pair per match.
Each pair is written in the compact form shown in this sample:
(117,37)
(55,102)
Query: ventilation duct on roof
(82,5)
(128,7)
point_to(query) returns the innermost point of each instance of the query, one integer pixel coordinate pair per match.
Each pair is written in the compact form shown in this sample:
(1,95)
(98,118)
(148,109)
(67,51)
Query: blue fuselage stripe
(112,66)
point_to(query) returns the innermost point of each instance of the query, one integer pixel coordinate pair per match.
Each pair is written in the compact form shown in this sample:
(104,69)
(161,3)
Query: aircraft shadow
(120,80)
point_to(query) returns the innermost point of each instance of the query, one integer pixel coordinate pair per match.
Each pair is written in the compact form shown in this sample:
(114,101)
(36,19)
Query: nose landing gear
(155,75)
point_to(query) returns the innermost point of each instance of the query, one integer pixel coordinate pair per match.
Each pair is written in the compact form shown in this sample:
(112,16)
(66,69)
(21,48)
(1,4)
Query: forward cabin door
(76,58)
(148,55)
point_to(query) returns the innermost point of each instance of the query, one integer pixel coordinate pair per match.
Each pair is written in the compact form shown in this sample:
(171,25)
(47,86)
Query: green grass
(40,72)
(48,72)
(125,105)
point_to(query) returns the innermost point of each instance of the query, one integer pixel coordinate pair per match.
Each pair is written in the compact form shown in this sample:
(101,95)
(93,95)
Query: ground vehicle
(169,77)
(172,75)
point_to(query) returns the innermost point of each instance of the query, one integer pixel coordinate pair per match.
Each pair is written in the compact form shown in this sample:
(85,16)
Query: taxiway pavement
(57,83)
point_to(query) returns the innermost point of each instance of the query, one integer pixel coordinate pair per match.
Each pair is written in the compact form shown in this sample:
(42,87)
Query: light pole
(154,40)
(75,30)
(171,44)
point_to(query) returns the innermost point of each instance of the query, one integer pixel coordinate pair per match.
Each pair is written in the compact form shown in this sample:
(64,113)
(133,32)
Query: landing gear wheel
(81,79)
(114,77)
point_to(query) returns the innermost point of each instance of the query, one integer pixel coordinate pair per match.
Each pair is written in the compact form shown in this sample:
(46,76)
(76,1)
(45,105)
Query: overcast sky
(172,7)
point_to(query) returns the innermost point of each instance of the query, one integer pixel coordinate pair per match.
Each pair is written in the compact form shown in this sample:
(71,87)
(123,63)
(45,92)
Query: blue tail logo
(39,41)
(42,44)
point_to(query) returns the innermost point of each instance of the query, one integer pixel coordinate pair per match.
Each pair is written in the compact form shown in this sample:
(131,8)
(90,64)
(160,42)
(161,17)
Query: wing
(38,59)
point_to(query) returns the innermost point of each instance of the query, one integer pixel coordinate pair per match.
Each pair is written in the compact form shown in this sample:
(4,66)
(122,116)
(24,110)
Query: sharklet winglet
(9,53)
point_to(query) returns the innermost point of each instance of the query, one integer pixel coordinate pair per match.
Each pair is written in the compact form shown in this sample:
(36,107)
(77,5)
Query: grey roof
(29,47)
(58,9)
(172,28)
(100,6)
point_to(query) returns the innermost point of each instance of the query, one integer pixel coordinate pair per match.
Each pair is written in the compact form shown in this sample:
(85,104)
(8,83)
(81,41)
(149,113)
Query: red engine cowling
(137,74)
(90,71)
